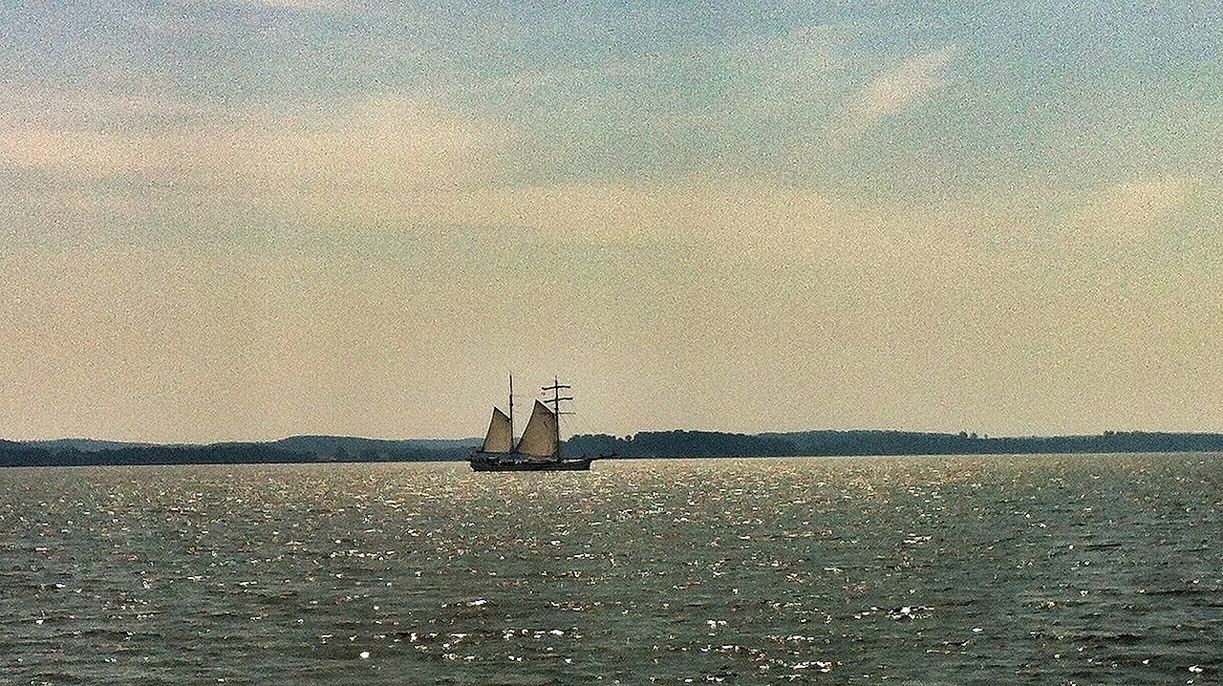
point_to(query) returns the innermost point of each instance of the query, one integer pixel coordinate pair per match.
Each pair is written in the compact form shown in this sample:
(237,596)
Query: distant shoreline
(643,445)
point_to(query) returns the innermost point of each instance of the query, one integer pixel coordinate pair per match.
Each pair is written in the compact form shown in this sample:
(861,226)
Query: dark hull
(479,464)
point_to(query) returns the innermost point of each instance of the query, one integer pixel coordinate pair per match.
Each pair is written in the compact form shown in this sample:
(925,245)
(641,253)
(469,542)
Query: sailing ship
(539,448)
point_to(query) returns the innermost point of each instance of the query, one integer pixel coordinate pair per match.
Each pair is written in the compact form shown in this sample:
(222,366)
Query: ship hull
(481,464)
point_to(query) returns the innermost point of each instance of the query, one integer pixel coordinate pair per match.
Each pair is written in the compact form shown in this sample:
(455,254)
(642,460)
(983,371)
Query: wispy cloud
(328,161)
(901,88)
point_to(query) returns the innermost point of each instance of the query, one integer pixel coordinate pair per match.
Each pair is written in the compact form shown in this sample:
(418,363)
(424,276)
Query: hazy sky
(243,220)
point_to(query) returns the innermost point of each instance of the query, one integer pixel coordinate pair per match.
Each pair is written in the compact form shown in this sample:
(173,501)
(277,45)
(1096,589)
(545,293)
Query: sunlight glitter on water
(1032,569)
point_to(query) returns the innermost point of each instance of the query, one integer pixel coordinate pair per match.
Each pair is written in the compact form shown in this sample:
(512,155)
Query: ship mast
(556,401)
(511,408)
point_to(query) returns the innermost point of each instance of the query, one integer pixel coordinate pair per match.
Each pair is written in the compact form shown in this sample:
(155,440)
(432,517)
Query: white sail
(539,438)
(499,438)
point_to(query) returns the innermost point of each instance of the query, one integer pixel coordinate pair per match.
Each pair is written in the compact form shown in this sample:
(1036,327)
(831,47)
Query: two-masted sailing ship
(539,448)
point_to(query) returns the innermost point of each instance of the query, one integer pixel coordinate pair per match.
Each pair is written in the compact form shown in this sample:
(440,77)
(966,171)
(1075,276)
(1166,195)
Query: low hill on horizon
(308,443)
(330,445)
(295,449)
(86,445)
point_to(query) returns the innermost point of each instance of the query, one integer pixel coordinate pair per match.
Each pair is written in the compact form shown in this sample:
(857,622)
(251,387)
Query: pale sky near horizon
(245,220)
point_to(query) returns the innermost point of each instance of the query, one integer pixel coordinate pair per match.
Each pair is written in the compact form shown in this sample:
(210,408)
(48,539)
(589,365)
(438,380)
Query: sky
(244,220)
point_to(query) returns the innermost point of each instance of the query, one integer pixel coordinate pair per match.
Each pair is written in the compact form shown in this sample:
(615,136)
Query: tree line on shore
(647,444)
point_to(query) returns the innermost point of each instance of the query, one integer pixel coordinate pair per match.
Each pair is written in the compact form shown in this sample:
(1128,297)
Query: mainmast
(511,407)
(556,401)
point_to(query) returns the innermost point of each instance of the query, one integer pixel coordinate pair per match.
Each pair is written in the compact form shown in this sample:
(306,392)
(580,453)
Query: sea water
(923,570)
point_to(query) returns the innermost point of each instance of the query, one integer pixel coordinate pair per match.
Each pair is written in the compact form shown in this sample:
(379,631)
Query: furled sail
(539,438)
(500,438)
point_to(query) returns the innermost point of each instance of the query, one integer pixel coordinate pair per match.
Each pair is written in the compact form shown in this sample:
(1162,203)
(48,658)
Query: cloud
(904,87)
(303,163)
(715,217)
(1129,210)
(394,163)
(398,164)
(369,146)
(83,154)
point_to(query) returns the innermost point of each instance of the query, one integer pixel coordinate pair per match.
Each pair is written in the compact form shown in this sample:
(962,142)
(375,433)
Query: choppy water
(1040,570)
